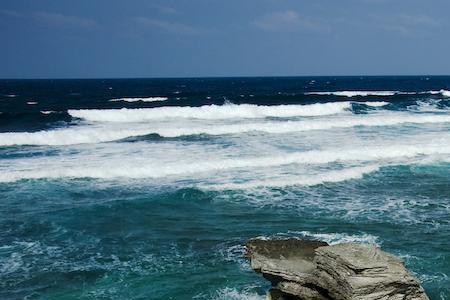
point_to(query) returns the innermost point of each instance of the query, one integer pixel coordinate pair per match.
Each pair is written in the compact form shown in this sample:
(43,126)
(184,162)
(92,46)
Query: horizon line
(216,77)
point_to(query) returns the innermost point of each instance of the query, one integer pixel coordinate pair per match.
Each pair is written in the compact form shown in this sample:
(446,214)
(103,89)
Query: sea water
(149,188)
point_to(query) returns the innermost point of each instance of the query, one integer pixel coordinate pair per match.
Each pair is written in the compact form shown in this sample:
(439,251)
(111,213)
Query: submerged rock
(314,270)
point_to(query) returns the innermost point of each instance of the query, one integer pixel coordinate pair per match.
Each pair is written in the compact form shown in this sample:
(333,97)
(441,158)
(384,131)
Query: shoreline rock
(314,270)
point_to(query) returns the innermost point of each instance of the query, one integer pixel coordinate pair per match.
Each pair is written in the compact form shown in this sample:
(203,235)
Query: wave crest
(350,94)
(99,134)
(209,112)
(145,99)
(355,93)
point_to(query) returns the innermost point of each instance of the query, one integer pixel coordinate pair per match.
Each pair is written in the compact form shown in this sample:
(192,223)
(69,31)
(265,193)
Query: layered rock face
(314,270)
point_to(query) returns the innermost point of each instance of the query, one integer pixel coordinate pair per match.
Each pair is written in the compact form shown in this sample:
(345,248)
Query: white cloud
(407,25)
(166,10)
(288,20)
(169,26)
(57,19)
(11,13)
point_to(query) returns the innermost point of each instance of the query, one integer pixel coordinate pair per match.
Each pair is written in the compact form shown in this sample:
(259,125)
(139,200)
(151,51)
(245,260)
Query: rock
(314,270)
(356,271)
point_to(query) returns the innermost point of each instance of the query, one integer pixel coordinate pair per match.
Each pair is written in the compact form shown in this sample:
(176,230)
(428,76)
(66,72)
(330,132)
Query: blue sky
(184,38)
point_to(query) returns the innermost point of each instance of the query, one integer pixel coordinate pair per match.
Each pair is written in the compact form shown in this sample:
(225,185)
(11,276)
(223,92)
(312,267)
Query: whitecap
(338,238)
(143,99)
(445,93)
(98,134)
(355,93)
(321,178)
(209,112)
(306,125)
(374,103)
(430,105)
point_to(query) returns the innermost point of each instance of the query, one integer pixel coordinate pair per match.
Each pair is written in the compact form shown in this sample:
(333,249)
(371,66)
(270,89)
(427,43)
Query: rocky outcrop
(314,270)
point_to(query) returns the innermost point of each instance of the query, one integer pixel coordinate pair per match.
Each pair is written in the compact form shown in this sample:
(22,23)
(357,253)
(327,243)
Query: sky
(201,38)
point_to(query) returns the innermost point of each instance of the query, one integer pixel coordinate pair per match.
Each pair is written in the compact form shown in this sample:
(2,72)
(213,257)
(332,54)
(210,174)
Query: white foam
(254,163)
(98,134)
(11,264)
(355,93)
(20,250)
(321,178)
(67,136)
(337,238)
(148,168)
(147,99)
(47,112)
(442,92)
(234,294)
(210,112)
(112,170)
(426,106)
(374,103)
(234,253)
(437,277)
(32,103)
(376,93)
(323,157)
(307,125)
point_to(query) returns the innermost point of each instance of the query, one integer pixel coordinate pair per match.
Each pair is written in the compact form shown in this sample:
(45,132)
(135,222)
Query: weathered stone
(313,270)
(307,291)
(357,271)
(289,259)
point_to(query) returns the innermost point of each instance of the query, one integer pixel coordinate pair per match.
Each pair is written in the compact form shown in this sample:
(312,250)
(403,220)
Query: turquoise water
(155,204)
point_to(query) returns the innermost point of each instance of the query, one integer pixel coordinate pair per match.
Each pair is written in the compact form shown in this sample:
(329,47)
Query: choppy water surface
(148,189)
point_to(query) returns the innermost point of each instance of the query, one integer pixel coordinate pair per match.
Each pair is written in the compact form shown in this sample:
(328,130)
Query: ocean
(149,188)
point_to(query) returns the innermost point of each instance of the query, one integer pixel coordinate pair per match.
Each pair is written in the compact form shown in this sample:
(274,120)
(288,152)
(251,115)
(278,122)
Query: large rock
(300,269)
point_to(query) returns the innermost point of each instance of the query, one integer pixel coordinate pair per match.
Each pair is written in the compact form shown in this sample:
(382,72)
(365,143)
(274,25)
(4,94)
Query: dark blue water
(149,188)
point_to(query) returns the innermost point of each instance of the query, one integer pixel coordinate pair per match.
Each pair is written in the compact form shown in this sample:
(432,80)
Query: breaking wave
(444,93)
(337,238)
(146,172)
(210,112)
(374,103)
(67,136)
(147,99)
(307,125)
(355,93)
(156,169)
(330,238)
(98,134)
(350,94)
(307,180)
